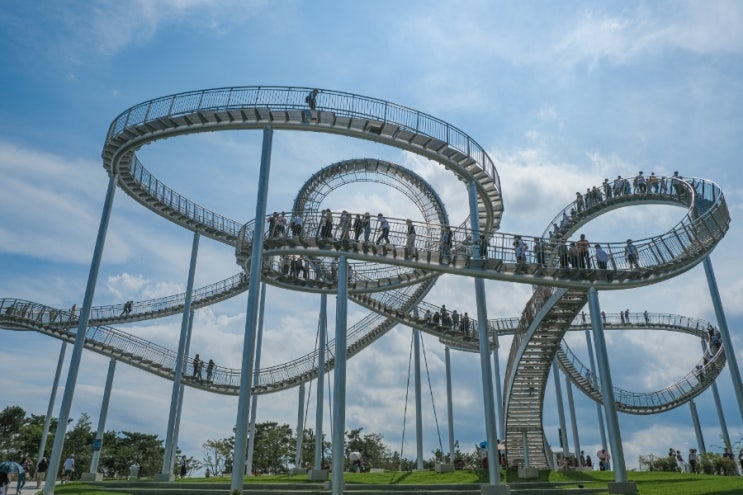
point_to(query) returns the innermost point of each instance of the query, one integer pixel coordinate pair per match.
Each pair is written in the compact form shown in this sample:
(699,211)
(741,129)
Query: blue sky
(560,94)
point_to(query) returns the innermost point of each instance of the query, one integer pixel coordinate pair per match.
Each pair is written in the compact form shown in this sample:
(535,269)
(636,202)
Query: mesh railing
(692,382)
(181,204)
(293,99)
(693,235)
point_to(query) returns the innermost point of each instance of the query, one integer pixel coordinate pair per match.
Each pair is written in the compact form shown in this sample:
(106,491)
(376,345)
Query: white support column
(418,400)
(339,379)
(166,472)
(251,317)
(573,419)
(449,404)
(620,485)
(494,486)
(317,473)
(560,409)
(300,430)
(77,349)
(727,342)
(181,394)
(50,408)
(93,474)
(257,367)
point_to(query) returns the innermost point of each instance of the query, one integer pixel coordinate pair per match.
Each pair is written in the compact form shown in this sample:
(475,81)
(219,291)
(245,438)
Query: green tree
(79,441)
(308,448)
(274,447)
(217,454)
(191,463)
(29,437)
(372,448)
(12,419)
(121,450)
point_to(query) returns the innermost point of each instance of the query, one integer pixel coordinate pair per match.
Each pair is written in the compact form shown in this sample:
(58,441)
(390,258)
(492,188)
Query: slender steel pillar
(560,409)
(721,416)
(573,419)
(179,413)
(599,410)
(487,373)
(718,406)
(102,417)
(50,408)
(697,427)
(449,404)
(321,346)
(727,342)
(77,349)
(300,426)
(501,431)
(339,378)
(418,401)
(607,388)
(525,444)
(257,367)
(181,360)
(246,372)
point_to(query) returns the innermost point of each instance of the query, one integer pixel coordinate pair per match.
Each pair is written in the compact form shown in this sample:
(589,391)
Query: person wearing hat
(631,254)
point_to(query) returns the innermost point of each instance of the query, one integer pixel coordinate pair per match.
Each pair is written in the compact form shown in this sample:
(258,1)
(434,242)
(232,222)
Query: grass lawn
(648,483)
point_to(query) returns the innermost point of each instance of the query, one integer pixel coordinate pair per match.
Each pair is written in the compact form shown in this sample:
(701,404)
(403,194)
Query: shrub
(653,463)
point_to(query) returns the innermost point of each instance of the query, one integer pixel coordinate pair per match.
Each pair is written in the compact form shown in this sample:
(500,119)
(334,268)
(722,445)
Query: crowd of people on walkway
(531,255)
(197,366)
(453,321)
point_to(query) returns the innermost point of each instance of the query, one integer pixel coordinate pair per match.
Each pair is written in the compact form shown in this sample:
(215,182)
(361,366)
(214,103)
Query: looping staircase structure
(393,279)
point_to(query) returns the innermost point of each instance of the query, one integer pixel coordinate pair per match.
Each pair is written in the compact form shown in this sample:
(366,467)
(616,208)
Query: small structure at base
(528,472)
(440,467)
(622,487)
(317,475)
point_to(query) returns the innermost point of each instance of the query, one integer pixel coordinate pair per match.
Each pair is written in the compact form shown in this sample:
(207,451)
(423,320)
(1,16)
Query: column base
(528,472)
(495,490)
(317,475)
(164,477)
(444,468)
(622,487)
(328,485)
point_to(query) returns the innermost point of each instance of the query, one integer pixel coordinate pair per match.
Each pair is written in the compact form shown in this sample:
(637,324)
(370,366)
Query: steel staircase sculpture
(17,314)
(389,279)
